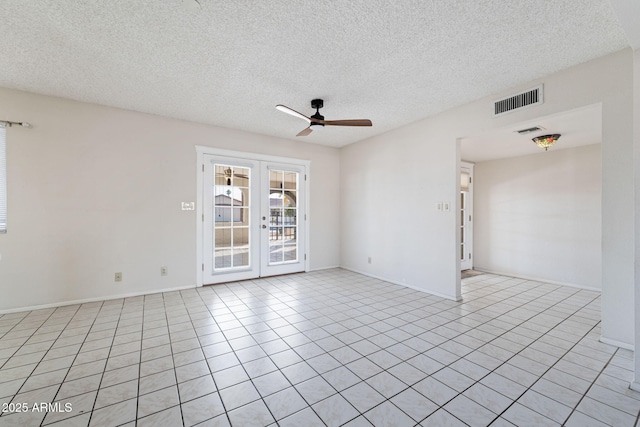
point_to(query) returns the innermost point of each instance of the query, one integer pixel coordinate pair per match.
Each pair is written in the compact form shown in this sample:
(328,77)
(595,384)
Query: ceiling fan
(228,174)
(317,121)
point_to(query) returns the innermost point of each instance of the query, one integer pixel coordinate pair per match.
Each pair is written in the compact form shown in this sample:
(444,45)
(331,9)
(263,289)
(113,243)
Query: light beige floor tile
(259,337)
(157,401)
(196,387)
(252,414)
(335,410)
(114,415)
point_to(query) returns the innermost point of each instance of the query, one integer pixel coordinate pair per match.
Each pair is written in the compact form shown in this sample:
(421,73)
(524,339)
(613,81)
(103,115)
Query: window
(3,178)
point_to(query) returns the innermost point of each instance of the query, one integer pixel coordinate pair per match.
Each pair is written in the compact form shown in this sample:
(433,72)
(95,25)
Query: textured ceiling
(228,63)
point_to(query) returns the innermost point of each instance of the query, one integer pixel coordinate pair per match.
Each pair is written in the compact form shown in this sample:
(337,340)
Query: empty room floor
(330,347)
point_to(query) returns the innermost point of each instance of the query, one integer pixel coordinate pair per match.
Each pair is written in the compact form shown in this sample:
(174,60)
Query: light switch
(188,206)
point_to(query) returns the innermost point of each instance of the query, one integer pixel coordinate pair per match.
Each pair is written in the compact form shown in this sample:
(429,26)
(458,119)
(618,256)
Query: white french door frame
(266,266)
(252,267)
(201,152)
(466,219)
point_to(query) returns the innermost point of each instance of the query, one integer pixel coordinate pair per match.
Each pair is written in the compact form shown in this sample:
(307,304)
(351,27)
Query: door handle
(264,226)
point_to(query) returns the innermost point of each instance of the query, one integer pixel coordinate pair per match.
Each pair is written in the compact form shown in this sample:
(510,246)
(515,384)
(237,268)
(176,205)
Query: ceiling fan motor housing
(317,104)
(317,116)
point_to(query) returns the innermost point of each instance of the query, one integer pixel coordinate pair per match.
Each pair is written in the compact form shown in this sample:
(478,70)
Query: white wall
(390,187)
(391,184)
(539,216)
(93,190)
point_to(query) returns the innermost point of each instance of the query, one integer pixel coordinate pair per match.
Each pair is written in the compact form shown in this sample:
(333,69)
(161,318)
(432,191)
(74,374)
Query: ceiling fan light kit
(317,121)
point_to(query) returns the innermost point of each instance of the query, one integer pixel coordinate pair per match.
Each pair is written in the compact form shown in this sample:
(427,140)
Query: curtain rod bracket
(10,123)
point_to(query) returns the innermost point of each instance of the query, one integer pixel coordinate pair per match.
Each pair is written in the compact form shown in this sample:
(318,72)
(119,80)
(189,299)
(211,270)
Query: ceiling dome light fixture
(546,141)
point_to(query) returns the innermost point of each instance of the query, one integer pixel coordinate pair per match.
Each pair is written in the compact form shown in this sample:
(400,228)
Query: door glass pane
(241,257)
(222,258)
(463,225)
(231,217)
(241,177)
(289,199)
(290,252)
(240,237)
(275,179)
(275,255)
(223,237)
(221,176)
(283,216)
(290,180)
(465,180)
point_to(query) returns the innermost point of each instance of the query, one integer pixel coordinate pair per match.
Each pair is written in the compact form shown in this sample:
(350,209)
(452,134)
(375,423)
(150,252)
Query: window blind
(3,178)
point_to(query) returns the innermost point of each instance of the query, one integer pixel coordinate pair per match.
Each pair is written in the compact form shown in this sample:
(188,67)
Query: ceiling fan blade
(294,113)
(305,132)
(356,122)
(237,175)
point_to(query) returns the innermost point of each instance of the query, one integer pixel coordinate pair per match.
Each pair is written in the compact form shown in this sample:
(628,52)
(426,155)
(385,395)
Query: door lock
(264,226)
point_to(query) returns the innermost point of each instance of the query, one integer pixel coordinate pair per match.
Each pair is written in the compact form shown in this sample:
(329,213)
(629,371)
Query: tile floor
(314,349)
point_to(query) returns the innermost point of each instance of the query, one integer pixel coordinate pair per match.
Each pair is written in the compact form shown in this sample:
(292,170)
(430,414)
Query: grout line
(233,350)
(43,356)
(338,304)
(506,361)
(105,362)
(589,388)
(539,377)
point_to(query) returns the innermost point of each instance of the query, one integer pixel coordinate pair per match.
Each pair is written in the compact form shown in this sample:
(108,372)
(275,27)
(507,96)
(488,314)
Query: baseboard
(537,279)
(616,343)
(87,300)
(437,294)
(324,268)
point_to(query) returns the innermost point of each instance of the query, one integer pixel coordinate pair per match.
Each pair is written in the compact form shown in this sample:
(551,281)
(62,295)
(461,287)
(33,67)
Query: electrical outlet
(118,277)
(164,271)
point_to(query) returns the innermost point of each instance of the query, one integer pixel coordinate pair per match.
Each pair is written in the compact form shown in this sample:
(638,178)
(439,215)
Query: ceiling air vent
(516,102)
(530,130)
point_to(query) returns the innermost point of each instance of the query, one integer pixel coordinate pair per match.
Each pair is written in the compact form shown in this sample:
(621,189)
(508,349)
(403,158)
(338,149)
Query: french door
(466,213)
(253,218)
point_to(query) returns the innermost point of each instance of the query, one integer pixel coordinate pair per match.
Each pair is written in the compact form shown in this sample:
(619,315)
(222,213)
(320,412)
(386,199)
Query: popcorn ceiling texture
(228,63)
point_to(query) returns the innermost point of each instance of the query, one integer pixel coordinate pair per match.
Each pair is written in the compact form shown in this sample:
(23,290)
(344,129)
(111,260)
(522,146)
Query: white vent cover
(530,130)
(524,99)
